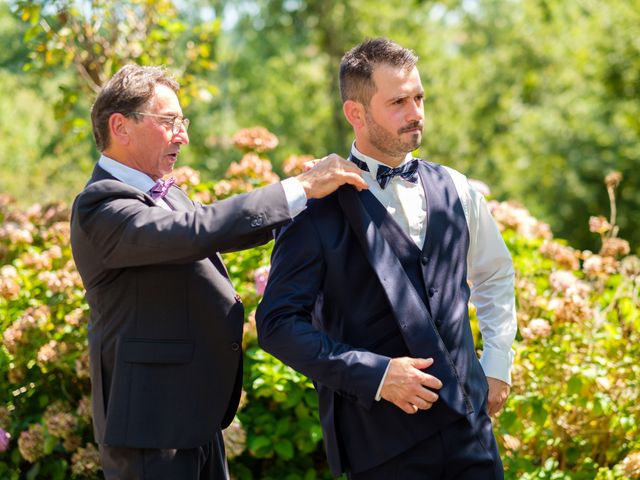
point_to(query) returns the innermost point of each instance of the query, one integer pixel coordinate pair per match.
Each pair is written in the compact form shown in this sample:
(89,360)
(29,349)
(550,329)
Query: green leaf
(574,386)
(260,446)
(284,449)
(50,443)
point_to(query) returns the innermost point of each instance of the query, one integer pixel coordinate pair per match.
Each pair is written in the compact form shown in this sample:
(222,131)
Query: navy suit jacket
(339,304)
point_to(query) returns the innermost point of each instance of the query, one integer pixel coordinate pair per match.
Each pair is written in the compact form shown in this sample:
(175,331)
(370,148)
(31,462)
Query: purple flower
(260,276)
(4,440)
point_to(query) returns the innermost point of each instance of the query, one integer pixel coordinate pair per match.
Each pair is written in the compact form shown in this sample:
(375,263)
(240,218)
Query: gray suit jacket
(166,325)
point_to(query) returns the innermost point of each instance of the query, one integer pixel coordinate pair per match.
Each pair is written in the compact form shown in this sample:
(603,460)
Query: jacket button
(256,222)
(432,291)
(235,347)
(424,260)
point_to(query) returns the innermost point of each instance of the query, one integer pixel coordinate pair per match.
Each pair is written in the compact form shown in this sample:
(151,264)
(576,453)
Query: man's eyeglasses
(176,121)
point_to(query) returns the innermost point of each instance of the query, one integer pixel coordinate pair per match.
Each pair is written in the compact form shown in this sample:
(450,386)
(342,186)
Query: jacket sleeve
(284,319)
(128,232)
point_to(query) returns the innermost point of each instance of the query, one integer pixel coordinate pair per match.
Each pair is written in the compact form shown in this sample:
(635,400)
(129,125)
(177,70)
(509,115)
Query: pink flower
(480,186)
(562,280)
(614,247)
(294,164)
(258,139)
(4,440)
(260,276)
(613,179)
(599,225)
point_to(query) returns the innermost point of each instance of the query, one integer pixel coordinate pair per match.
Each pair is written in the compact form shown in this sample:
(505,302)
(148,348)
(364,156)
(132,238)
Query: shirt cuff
(296,197)
(379,391)
(497,364)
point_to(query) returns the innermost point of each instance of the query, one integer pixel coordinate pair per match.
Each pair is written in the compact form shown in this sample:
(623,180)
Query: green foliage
(97,38)
(538,99)
(66,51)
(572,413)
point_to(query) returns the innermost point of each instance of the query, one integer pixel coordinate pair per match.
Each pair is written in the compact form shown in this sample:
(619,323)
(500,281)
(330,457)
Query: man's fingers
(356,180)
(430,381)
(407,407)
(414,405)
(428,395)
(422,403)
(308,165)
(408,387)
(494,407)
(421,363)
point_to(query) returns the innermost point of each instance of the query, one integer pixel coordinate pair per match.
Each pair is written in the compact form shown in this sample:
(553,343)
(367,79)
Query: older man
(166,325)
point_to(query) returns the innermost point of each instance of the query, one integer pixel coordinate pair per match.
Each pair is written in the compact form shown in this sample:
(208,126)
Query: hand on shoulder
(328,174)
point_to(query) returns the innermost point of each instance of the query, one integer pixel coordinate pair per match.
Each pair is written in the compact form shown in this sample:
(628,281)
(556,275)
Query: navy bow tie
(408,171)
(161,188)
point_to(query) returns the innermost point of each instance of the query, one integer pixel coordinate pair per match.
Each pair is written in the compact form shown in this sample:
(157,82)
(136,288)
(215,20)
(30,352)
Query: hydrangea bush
(573,412)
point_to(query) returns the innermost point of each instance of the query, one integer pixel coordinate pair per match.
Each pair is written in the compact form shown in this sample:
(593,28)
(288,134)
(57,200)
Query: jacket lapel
(415,323)
(100,173)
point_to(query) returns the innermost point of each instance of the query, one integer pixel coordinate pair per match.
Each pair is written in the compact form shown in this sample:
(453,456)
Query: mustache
(411,126)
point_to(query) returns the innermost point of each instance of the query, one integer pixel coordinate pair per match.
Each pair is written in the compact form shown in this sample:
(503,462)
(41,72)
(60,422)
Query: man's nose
(182,137)
(415,111)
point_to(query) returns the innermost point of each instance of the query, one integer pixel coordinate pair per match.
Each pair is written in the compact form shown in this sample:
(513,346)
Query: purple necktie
(161,188)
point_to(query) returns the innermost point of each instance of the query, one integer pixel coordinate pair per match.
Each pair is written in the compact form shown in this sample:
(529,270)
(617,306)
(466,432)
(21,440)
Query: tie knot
(408,172)
(161,188)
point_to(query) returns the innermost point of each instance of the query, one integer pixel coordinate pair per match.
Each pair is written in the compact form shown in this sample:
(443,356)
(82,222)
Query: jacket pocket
(142,350)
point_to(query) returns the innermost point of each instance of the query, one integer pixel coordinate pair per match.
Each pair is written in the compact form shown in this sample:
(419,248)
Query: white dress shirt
(293,189)
(489,265)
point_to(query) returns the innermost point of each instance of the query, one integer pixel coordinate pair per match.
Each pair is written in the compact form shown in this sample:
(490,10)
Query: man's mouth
(414,127)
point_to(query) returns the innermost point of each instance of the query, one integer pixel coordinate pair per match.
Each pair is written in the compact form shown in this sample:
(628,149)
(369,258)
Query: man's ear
(119,128)
(354,111)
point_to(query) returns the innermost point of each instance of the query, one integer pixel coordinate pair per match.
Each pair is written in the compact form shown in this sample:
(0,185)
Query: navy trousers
(206,462)
(464,450)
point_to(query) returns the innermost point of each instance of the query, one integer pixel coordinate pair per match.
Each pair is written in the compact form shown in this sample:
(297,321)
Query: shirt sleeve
(491,273)
(490,270)
(378,396)
(295,194)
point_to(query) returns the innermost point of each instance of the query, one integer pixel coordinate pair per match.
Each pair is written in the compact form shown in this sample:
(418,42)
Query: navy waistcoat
(360,437)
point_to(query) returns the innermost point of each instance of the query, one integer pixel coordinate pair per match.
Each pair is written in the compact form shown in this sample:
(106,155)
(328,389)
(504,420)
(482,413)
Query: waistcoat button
(424,260)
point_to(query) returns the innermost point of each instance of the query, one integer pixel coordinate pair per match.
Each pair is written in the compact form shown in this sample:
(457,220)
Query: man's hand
(406,386)
(328,174)
(498,393)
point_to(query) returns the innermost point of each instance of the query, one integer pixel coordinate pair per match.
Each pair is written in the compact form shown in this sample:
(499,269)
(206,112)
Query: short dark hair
(357,65)
(130,88)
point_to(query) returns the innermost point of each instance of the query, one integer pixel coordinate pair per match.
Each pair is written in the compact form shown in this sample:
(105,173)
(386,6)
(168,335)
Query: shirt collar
(128,175)
(372,163)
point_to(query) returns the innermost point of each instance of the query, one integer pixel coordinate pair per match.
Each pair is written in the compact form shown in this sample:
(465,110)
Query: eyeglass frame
(176,127)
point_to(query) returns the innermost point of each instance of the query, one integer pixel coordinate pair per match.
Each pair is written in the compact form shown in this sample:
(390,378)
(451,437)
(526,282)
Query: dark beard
(390,144)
